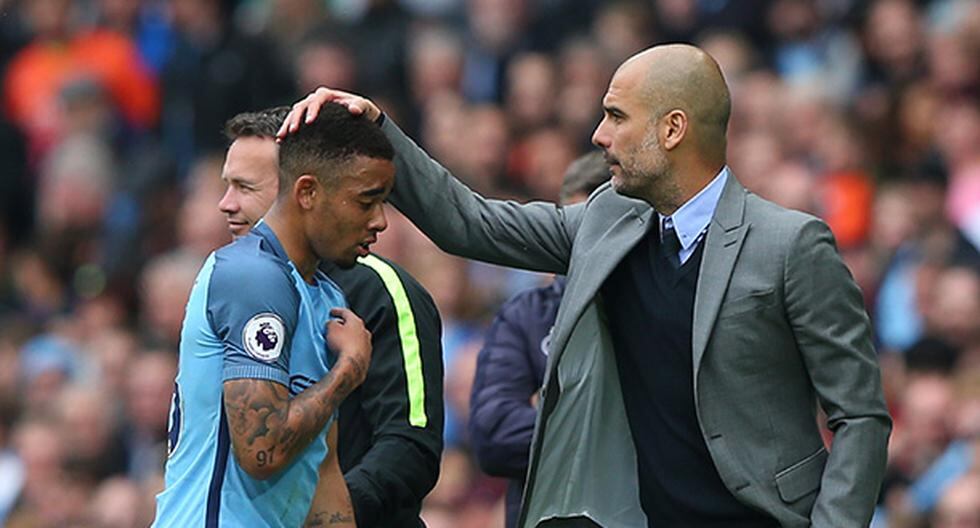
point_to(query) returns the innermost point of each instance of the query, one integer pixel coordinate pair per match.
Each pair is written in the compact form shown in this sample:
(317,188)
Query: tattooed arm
(332,504)
(268,428)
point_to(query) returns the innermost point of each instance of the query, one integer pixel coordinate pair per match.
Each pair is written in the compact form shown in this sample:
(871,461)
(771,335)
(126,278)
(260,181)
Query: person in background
(510,368)
(391,428)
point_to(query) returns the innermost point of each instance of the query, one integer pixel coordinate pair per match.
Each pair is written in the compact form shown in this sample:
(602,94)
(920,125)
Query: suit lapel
(724,241)
(596,265)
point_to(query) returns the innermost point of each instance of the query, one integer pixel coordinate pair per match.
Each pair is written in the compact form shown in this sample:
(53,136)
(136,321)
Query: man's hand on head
(306,110)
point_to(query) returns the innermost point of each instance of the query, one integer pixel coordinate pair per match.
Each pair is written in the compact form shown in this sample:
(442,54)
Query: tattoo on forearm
(264,457)
(315,520)
(269,427)
(320,519)
(337,518)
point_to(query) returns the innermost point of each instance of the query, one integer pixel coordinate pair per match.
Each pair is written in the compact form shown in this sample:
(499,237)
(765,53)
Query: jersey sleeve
(253,308)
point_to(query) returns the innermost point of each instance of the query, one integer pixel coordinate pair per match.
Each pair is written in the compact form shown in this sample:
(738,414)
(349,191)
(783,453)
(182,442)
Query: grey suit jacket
(779,326)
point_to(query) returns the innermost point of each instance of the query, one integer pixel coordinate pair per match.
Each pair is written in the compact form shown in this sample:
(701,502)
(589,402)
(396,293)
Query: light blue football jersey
(250,315)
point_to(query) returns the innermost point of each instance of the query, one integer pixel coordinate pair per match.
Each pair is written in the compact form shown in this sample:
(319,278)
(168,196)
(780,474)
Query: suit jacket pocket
(748,303)
(802,477)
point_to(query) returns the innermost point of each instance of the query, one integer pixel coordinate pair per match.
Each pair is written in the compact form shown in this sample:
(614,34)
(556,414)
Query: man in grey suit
(700,327)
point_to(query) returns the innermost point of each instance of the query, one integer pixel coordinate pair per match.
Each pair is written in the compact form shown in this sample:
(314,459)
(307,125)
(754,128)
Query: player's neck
(293,242)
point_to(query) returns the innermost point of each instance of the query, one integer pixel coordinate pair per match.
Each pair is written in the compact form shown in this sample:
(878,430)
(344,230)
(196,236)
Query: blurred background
(865,113)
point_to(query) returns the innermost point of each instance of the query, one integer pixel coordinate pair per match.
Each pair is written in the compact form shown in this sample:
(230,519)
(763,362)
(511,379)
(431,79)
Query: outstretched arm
(268,428)
(536,235)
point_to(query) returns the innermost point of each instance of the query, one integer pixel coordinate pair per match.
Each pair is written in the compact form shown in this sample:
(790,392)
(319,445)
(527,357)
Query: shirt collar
(693,217)
(263,231)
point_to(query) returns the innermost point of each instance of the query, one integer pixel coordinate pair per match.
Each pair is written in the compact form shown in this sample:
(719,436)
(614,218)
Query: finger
(323,96)
(297,113)
(347,101)
(356,107)
(340,313)
(312,111)
(289,124)
(320,97)
(284,127)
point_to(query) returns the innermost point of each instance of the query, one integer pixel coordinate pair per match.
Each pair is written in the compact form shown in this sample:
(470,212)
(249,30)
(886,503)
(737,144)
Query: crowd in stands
(864,113)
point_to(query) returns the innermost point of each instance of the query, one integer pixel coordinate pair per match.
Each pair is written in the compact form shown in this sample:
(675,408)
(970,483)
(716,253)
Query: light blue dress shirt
(691,219)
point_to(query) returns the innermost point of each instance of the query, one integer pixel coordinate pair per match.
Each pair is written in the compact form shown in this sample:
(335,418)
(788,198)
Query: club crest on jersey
(263,336)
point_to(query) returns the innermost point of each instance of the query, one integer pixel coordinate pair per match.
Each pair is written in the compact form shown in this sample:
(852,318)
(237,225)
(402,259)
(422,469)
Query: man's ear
(674,129)
(305,191)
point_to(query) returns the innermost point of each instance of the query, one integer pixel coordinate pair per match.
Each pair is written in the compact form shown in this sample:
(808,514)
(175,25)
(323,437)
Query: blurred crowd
(865,113)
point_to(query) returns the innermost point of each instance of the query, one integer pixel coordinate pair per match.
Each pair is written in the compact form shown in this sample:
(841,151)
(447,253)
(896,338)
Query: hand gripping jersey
(250,315)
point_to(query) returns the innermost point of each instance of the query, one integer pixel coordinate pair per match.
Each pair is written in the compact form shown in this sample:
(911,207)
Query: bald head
(683,77)
(665,116)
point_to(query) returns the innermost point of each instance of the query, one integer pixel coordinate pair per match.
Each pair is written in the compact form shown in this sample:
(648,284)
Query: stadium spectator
(149,387)
(214,72)
(165,284)
(118,503)
(86,416)
(531,84)
(145,22)
(497,30)
(960,505)
(62,52)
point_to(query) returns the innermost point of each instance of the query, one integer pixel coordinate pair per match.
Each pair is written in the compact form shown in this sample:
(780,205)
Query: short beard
(654,183)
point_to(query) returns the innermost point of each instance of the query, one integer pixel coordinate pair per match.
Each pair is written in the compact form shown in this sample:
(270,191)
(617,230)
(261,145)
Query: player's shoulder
(249,256)
(248,266)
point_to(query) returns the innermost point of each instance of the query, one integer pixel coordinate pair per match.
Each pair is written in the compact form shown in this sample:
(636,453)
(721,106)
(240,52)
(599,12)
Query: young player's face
(251,173)
(348,217)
